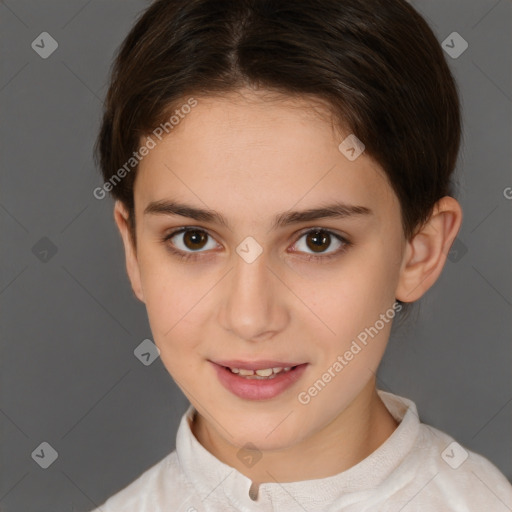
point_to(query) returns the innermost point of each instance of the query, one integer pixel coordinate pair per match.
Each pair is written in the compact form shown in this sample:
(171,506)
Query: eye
(190,243)
(318,241)
(186,241)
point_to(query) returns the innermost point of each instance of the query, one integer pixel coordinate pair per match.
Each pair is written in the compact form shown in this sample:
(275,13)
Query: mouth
(258,380)
(265,373)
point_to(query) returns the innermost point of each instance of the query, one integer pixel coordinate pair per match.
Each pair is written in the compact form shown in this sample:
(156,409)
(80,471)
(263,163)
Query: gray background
(70,322)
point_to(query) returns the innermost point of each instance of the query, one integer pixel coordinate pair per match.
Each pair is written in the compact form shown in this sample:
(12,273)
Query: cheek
(350,303)
(347,297)
(348,359)
(173,301)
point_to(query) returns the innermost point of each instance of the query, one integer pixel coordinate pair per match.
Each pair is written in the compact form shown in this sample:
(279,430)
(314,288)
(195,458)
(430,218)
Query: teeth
(264,373)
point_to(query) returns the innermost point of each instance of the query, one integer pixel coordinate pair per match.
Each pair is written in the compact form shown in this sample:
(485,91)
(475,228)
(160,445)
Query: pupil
(195,238)
(319,238)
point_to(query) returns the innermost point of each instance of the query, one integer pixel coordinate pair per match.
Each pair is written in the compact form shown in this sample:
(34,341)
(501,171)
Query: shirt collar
(211,476)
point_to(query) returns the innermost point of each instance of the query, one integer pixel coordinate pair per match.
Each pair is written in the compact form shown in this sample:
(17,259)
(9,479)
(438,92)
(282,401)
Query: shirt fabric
(418,468)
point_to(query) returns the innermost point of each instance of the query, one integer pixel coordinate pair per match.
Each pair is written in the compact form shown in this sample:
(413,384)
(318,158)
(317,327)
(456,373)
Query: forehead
(258,155)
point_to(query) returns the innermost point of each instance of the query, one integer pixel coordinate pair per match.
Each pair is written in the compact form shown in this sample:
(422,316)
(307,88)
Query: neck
(348,439)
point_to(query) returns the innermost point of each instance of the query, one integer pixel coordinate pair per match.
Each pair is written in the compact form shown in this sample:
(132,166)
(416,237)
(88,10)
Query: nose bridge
(251,305)
(251,276)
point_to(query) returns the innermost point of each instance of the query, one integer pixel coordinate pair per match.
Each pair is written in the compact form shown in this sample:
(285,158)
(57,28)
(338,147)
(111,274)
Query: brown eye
(188,240)
(195,240)
(194,243)
(318,241)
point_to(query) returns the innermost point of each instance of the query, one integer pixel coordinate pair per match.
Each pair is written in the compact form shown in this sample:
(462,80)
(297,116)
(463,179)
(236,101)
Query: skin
(249,159)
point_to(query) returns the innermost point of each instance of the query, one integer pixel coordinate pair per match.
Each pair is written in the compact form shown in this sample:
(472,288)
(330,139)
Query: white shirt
(418,468)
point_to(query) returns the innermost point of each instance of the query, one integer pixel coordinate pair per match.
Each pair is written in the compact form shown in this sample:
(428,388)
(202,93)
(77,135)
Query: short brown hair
(376,63)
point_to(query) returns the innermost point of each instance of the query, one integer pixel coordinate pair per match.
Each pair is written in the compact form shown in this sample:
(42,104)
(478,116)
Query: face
(240,265)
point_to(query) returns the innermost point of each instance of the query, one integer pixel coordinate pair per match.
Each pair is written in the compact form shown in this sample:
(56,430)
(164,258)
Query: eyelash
(193,256)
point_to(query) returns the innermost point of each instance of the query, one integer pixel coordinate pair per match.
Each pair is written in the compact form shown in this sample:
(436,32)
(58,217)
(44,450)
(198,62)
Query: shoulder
(162,485)
(446,474)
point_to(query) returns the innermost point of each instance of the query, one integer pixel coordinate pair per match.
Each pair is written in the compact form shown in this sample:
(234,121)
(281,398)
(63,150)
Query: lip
(257,389)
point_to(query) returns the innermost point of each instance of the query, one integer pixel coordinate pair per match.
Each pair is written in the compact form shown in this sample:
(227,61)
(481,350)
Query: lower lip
(258,389)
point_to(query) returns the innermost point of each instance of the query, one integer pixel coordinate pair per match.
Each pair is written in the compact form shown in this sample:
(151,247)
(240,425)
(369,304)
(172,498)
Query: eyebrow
(335,210)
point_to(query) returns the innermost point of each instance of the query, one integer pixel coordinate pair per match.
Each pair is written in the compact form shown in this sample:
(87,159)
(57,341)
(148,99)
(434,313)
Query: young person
(282,176)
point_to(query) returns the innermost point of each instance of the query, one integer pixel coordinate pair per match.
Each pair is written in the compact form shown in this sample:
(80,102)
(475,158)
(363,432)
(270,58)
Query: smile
(258,380)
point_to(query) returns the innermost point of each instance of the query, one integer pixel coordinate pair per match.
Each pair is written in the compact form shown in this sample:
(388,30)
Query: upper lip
(255,365)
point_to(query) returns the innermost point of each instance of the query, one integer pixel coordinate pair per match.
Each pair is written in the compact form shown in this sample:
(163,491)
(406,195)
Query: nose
(253,306)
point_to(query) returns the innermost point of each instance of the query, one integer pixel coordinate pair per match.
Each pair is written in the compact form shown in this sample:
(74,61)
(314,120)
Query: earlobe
(426,252)
(121,217)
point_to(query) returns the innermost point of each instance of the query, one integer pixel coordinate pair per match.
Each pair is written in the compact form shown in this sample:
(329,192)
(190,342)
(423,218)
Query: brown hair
(375,63)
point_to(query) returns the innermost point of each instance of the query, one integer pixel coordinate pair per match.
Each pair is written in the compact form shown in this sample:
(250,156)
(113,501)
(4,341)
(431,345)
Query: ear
(426,253)
(121,217)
